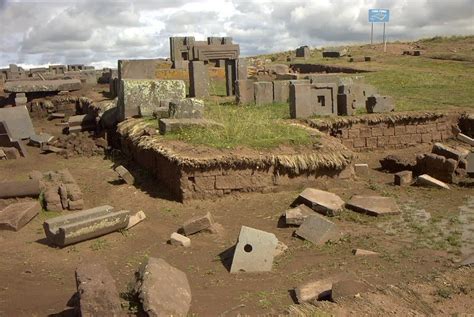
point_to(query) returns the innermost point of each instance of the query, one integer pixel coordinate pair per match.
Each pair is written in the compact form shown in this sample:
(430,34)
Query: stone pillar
(242,72)
(281,90)
(300,100)
(263,93)
(245,91)
(230,76)
(198,80)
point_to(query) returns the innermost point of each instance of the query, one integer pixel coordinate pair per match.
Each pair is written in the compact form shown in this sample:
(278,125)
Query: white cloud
(99,32)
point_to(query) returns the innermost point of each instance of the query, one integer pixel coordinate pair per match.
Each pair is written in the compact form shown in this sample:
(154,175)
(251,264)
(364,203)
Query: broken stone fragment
(326,203)
(314,290)
(63,196)
(447,151)
(361,169)
(317,229)
(403,178)
(180,240)
(280,249)
(464,138)
(98,295)
(361,252)
(125,174)
(254,251)
(373,205)
(297,215)
(52,199)
(17,215)
(197,224)
(75,204)
(347,288)
(426,180)
(162,289)
(136,219)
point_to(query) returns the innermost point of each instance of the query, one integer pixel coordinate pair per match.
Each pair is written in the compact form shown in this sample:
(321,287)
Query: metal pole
(384,39)
(372,34)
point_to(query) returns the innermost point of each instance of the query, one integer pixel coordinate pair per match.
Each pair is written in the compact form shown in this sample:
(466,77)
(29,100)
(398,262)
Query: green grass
(259,127)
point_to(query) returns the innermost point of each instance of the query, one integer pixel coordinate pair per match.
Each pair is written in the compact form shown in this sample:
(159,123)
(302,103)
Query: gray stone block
(17,215)
(162,289)
(281,91)
(380,104)
(29,188)
(245,91)
(180,240)
(263,92)
(427,180)
(403,178)
(190,108)
(18,122)
(317,229)
(172,125)
(325,203)
(198,80)
(98,295)
(297,215)
(84,225)
(373,205)
(197,224)
(254,251)
(125,174)
(42,85)
(447,151)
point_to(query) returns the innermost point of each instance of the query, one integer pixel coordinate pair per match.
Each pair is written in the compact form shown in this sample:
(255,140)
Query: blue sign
(378,15)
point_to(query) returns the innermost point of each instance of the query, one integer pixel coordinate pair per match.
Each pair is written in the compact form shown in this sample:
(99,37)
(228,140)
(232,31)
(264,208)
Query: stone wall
(389,131)
(319,68)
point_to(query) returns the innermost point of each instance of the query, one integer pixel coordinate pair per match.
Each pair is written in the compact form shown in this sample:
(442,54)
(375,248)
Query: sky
(99,32)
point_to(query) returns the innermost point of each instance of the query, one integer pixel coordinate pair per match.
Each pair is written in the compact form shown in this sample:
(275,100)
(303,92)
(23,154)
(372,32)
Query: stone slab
(380,104)
(362,252)
(361,169)
(281,91)
(43,85)
(314,290)
(18,122)
(39,139)
(84,225)
(189,108)
(162,289)
(470,163)
(245,91)
(464,138)
(172,125)
(403,178)
(427,180)
(98,295)
(254,251)
(447,151)
(263,93)
(197,224)
(373,205)
(317,229)
(180,240)
(297,215)
(125,174)
(346,289)
(29,188)
(321,201)
(17,215)
(135,219)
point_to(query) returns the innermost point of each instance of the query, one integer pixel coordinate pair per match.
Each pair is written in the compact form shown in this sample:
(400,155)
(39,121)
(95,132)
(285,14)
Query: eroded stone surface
(197,224)
(373,205)
(317,229)
(426,180)
(321,201)
(297,215)
(17,215)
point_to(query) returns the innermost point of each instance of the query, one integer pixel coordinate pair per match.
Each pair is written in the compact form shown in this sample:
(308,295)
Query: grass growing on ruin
(259,127)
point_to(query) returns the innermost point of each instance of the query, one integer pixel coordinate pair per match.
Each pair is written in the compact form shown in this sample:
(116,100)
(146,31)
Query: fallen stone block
(29,188)
(162,289)
(254,251)
(17,215)
(437,166)
(84,225)
(379,104)
(73,191)
(172,125)
(361,169)
(346,289)
(447,151)
(11,153)
(326,203)
(373,205)
(426,180)
(125,175)
(98,295)
(136,219)
(42,85)
(362,252)
(314,290)
(464,138)
(75,204)
(197,224)
(186,108)
(403,178)
(18,122)
(297,215)
(317,229)
(52,199)
(40,139)
(50,148)
(179,239)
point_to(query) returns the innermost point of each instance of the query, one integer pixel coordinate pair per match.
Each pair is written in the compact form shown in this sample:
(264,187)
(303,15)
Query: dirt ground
(415,274)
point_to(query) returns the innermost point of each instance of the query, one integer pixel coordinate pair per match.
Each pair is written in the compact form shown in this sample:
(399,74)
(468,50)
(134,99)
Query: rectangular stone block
(43,85)
(84,225)
(198,80)
(29,188)
(245,91)
(142,97)
(254,251)
(186,108)
(16,123)
(263,93)
(317,229)
(281,91)
(197,224)
(379,104)
(403,178)
(17,215)
(172,125)
(297,215)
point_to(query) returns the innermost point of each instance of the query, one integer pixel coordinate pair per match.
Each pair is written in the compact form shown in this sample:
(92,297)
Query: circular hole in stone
(248,248)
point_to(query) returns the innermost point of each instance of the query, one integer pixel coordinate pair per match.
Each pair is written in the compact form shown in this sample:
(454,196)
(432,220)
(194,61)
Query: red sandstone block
(377,131)
(389,131)
(399,130)
(365,132)
(371,142)
(348,143)
(426,138)
(410,129)
(353,133)
(359,142)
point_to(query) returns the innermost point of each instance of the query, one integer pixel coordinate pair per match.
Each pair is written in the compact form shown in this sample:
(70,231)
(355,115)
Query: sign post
(378,16)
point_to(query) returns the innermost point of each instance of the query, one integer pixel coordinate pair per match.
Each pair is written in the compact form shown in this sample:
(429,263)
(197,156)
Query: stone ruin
(303,52)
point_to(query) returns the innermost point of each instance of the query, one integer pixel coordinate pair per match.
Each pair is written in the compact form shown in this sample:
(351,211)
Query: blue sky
(100,32)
